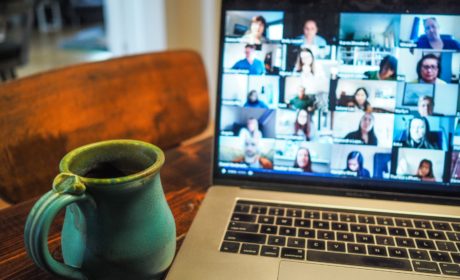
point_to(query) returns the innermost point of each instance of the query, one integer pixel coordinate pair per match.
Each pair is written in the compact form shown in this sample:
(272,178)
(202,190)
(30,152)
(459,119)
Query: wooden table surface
(186,176)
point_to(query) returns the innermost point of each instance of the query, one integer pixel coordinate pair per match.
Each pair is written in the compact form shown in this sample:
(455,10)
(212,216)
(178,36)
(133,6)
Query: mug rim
(150,170)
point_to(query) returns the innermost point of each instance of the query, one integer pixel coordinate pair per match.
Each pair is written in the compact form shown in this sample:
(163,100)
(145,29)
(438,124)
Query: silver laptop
(337,144)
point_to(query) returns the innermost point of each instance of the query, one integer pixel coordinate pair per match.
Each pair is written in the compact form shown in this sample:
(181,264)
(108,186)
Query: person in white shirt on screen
(255,34)
(251,130)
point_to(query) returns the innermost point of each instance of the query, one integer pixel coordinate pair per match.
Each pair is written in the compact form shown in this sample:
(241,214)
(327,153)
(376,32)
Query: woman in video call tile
(360,100)
(365,131)
(249,62)
(252,157)
(355,163)
(255,34)
(303,160)
(417,134)
(432,39)
(387,71)
(302,125)
(305,65)
(251,130)
(252,101)
(429,70)
(425,170)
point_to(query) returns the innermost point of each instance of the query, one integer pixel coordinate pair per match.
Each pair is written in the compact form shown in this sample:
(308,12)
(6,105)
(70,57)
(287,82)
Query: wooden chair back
(161,98)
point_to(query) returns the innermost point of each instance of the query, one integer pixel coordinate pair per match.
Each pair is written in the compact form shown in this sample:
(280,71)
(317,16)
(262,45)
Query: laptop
(337,144)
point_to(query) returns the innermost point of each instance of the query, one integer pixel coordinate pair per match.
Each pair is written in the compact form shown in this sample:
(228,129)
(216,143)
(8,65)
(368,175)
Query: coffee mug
(117,222)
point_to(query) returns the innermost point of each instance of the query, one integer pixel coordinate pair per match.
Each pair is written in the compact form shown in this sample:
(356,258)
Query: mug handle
(67,189)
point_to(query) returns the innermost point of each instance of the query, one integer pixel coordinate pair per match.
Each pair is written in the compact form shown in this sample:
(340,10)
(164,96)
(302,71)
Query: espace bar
(358,260)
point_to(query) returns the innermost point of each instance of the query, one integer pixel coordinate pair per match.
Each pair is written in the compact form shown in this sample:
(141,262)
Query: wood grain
(185,176)
(161,98)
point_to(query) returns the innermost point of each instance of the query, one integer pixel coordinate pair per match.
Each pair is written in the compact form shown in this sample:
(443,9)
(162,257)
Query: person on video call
(252,101)
(301,100)
(355,163)
(425,170)
(251,130)
(303,160)
(255,66)
(387,71)
(360,100)
(429,70)
(425,106)
(310,73)
(255,34)
(417,134)
(303,125)
(252,157)
(311,39)
(432,38)
(365,132)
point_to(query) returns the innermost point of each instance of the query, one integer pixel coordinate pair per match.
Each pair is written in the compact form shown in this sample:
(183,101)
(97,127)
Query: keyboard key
(302,223)
(456,227)
(276,211)
(266,220)
(339,226)
(296,242)
(359,260)
(377,250)
(250,249)
(385,240)
(330,216)
(366,220)
(294,213)
(426,267)
(425,244)
(336,246)
(306,233)
(405,242)
(349,218)
(442,226)
(423,224)
(438,235)
(398,252)
(262,210)
(348,237)
(245,237)
(237,217)
(242,208)
(311,214)
(358,228)
(288,231)
(404,223)
(455,257)
(440,256)
(321,224)
(316,244)
(385,221)
(230,247)
(284,221)
(246,227)
(364,238)
(291,253)
(268,229)
(446,246)
(377,230)
(397,231)
(356,248)
(450,269)
(418,254)
(453,236)
(276,240)
(270,251)
(326,235)
(417,233)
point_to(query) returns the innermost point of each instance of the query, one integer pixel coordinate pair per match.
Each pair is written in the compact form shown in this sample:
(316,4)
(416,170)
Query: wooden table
(186,176)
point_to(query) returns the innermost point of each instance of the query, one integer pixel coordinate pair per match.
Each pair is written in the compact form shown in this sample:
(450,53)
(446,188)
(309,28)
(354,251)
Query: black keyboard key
(321,224)
(245,237)
(366,219)
(440,256)
(458,245)
(426,267)
(395,231)
(284,221)
(404,223)
(398,252)
(417,233)
(359,260)
(364,238)
(276,240)
(453,236)
(434,234)
(311,214)
(261,210)
(306,233)
(291,253)
(385,240)
(246,227)
(339,226)
(330,216)
(418,254)
(238,217)
(423,224)
(316,244)
(456,227)
(266,220)
(455,257)
(275,211)
(377,230)
(242,208)
(294,213)
(405,242)
(268,229)
(230,247)
(450,269)
(356,248)
(358,228)
(250,249)
(446,246)
(345,236)
(336,246)
(425,244)
(296,242)
(377,250)
(288,231)
(442,226)
(349,218)
(270,251)
(326,235)
(302,223)
(385,221)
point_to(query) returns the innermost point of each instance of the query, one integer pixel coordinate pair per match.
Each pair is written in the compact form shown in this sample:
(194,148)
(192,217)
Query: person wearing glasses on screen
(429,70)
(425,170)
(365,131)
(255,34)
(432,39)
(249,62)
(355,163)
(303,160)
(387,71)
(252,157)
(417,134)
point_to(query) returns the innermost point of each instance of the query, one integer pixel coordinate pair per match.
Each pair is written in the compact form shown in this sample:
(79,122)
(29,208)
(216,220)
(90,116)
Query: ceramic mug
(117,223)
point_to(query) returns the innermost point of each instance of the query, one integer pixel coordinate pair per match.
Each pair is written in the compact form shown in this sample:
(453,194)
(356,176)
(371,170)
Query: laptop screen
(362,94)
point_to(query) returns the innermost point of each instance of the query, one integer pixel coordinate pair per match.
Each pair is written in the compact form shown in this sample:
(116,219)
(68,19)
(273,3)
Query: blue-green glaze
(119,228)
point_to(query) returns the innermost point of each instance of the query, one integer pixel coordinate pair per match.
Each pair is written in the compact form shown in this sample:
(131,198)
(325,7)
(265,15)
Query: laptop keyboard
(347,237)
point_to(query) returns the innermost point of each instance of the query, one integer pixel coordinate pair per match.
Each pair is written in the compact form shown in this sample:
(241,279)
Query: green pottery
(115,227)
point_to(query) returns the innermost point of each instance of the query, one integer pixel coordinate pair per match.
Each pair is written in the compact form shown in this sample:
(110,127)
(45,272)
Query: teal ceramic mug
(117,223)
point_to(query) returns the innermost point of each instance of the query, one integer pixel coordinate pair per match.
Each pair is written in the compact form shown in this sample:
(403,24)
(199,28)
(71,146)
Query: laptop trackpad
(307,271)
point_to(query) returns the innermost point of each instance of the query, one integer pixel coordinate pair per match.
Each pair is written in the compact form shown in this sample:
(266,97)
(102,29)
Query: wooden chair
(161,98)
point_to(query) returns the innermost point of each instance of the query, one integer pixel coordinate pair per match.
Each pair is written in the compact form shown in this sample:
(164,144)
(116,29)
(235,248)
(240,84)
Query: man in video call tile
(255,66)
(252,157)
(302,100)
(432,39)
(311,39)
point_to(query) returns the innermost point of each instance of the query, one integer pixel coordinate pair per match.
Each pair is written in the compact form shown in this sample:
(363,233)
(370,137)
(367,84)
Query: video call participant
(252,101)
(417,135)
(255,34)
(303,126)
(360,100)
(305,65)
(255,66)
(252,157)
(429,70)
(425,170)
(355,163)
(432,38)
(365,132)
(425,106)
(311,39)
(303,160)
(251,130)
(387,71)
(302,100)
